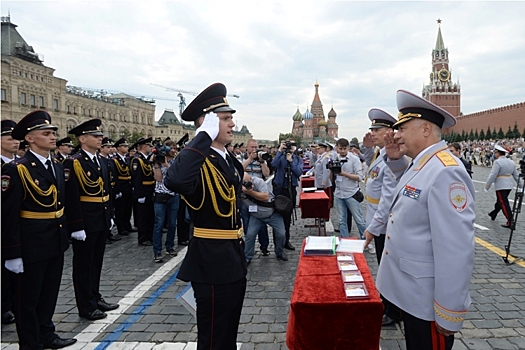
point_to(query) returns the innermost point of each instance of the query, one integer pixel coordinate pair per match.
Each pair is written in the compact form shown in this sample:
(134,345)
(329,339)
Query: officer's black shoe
(157,257)
(132,229)
(146,243)
(506,226)
(171,252)
(124,233)
(104,306)
(492,217)
(387,321)
(59,343)
(108,241)
(8,317)
(184,243)
(265,252)
(282,257)
(94,315)
(114,238)
(289,246)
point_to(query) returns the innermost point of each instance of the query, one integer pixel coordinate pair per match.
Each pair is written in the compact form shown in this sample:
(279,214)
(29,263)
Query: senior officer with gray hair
(209,178)
(380,186)
(428,258)
(502,173)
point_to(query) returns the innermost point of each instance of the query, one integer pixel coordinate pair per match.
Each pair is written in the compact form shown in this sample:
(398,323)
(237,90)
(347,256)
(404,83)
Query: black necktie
(95,160)
(230,163)
(50,169)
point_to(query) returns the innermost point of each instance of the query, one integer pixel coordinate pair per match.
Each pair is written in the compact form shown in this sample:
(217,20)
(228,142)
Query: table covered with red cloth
(307,182)
(321,317)
(314,205)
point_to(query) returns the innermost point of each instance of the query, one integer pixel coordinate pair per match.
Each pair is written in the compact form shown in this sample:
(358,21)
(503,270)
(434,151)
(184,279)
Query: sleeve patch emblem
(66,174)
(6,182)
(458,196)
(135,165)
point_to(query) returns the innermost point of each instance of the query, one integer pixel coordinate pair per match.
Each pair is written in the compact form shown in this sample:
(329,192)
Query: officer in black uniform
(9,148)
(88,213)
(124,196)
(105,152)
(209,180)
(34,238)
(63,150)
(143,188)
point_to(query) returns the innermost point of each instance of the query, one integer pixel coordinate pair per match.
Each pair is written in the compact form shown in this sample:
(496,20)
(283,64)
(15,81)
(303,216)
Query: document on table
(319,245)
(350,246)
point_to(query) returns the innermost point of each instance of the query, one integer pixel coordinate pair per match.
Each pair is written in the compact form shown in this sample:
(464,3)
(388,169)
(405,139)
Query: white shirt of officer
(345,187)
(502,173)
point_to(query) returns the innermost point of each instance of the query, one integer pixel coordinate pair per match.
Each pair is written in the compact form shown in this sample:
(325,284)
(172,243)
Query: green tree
(458,138)
(482,135)
(355,141)
(509,133)
(515,131)
(463,135)
(298,140)
(476,135)
(500,134)
(488,134)
(471,135)
(494,134)
(523,134)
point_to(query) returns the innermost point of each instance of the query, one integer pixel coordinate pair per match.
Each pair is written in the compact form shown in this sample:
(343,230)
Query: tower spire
(440,45)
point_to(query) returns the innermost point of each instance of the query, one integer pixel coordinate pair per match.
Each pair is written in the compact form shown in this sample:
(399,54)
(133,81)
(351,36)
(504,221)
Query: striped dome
(308,115)
(297,116)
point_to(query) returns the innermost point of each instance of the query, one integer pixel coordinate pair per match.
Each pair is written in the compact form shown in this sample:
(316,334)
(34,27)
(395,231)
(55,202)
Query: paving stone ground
(154,319)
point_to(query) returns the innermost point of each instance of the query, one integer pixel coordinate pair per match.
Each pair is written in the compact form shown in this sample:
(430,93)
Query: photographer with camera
(258,199)
(165,202)
(255,165)
(288,168)
(348,173)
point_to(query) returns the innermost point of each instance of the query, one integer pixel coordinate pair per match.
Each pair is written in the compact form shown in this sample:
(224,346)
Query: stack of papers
(309,189)
(350,246)
(319,245)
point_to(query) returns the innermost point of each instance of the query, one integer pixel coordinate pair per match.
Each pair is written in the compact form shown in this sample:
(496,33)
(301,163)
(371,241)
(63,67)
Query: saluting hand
(367,140)
(392,147)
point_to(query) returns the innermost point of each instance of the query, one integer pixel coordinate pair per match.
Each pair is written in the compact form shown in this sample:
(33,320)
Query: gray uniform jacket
(380,185)
(322,175)
(428,258)
(503,170)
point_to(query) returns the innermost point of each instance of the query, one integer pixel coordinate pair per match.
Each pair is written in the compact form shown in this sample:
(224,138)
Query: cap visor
(224,109)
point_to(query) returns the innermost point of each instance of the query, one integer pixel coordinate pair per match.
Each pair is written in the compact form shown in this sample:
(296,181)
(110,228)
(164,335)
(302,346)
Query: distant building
(447,94)
(312,126)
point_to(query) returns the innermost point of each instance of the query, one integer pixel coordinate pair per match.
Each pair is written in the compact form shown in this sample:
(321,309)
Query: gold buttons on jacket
(388,236)
(386,252)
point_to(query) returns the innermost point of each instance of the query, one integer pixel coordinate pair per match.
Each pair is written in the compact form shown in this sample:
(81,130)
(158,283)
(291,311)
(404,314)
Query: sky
(271,54)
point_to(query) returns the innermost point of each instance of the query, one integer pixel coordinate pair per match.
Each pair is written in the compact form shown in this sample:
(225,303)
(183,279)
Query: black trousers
(502,203)
(7,290)
(35,298)
(145,219)
(183,227)
(391,310)
(123,209)
(277,190)
(423,335)
(88,256)
(219,309)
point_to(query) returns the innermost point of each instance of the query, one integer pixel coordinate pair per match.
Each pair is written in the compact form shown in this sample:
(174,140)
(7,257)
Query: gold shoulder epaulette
(446,159)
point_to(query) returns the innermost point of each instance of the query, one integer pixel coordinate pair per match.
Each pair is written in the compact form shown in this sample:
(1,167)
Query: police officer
(380,184)
(124,196)
(209,179)
(503,170)
(143,189)
(64,149)
(428,257)
(88,218)
(9,148)
(34,238)
(105,151)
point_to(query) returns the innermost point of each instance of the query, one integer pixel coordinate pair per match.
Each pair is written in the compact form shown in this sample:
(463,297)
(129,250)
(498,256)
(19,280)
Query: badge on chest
(411,192)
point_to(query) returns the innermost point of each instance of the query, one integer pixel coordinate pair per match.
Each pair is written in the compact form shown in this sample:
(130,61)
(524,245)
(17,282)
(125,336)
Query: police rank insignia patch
(66,174)
(135,166)
(6,181)
(458,196)
(411,192)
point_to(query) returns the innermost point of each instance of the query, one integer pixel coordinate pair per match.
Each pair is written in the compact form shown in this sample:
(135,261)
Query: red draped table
(315,205)
(307,182)
(320,315)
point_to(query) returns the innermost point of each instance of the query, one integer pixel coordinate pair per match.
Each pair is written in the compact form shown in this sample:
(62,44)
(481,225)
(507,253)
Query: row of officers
(48,201)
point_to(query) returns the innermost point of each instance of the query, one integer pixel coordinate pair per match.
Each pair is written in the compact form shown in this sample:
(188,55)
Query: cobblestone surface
(154,319)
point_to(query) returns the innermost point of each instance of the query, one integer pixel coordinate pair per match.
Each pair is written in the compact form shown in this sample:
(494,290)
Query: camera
(263,155)
(335,165)
(160,150)
(247,184)
(288,146)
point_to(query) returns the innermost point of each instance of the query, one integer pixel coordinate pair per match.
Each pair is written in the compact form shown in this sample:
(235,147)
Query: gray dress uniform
(503,175)
(429,251)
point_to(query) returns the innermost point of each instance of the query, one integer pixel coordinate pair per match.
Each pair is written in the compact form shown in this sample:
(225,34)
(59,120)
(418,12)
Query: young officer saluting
(209,181)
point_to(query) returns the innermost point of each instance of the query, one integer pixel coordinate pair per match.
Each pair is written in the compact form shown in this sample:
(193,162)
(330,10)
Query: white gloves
(118,195)
(210,125)
(79,235)
(112,224)
(15,265)
(142,200)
